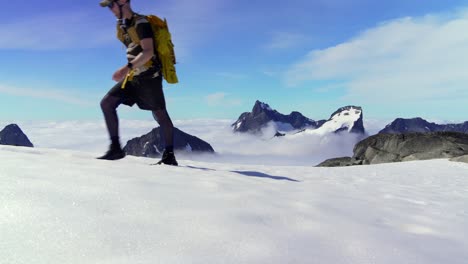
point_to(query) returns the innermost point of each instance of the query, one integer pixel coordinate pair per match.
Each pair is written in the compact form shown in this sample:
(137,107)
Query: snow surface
(343,119)
(62,206)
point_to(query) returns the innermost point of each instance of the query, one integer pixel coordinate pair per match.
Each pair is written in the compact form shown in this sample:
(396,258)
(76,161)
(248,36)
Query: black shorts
(146,92)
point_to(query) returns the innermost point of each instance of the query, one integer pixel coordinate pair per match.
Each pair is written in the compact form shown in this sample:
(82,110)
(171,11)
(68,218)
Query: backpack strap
(131,31)
(120,34)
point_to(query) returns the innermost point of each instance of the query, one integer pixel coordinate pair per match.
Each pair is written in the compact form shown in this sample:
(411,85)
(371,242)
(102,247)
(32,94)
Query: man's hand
(120,74)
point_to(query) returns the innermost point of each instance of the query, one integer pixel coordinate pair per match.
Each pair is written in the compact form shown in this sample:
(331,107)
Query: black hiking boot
(168,158)
(115,152)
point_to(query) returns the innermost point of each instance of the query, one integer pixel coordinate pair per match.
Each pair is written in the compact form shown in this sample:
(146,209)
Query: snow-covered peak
(346,114)
(344,119)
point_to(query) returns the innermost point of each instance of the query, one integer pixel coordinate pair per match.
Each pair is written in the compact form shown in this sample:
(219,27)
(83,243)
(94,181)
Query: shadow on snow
(251,174)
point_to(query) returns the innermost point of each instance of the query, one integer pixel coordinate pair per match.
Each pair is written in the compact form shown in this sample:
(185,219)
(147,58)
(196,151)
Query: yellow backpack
(163,46)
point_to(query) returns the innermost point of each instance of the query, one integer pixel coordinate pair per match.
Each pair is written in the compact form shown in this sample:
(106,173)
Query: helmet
(106,3)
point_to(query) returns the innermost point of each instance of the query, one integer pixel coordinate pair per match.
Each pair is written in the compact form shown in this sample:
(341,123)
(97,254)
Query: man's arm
(140,60)
(146,55)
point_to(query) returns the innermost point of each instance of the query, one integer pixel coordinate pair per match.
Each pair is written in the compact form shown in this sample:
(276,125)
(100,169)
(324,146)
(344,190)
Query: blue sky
(394,58)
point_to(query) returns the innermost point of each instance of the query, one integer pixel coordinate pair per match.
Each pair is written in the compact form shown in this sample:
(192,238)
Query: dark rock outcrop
(262,114)
(401,125)
(340,162)
(460,159)
(152,144)
(13,135)
(384,148)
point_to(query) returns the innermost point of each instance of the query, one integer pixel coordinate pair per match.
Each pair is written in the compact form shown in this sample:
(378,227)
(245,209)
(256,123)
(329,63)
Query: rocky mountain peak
(13,135)
(262,114)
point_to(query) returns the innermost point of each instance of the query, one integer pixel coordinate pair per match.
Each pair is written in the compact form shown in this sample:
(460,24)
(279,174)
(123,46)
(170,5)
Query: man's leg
(109,106)
(162,117)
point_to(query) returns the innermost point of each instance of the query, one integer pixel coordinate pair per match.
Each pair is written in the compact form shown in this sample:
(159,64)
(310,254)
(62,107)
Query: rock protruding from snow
(152,144)
(401,125)
(340,162)
(13,135)
(460,159)
(385,148)
(262,114)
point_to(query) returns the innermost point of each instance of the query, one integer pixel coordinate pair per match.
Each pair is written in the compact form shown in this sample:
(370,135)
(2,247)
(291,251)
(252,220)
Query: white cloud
(221,98)
(286,40)
(403,60)
(273,71)
(305,149)
(269,73)
(49,94)
(55,31)
(215,98)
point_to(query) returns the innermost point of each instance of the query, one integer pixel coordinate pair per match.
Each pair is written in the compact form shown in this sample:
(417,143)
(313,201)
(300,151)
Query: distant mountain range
(401,126)
(345,119)
(348,118)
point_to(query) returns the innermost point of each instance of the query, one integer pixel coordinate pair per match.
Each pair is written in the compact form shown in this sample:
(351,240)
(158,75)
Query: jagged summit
(262,114)
(260,107)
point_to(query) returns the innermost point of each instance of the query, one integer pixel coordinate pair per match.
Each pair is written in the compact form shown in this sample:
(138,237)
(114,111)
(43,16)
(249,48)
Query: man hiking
(139,81)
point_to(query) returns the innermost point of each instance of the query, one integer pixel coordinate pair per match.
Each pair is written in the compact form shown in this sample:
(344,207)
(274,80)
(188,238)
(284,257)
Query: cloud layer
(91,136)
